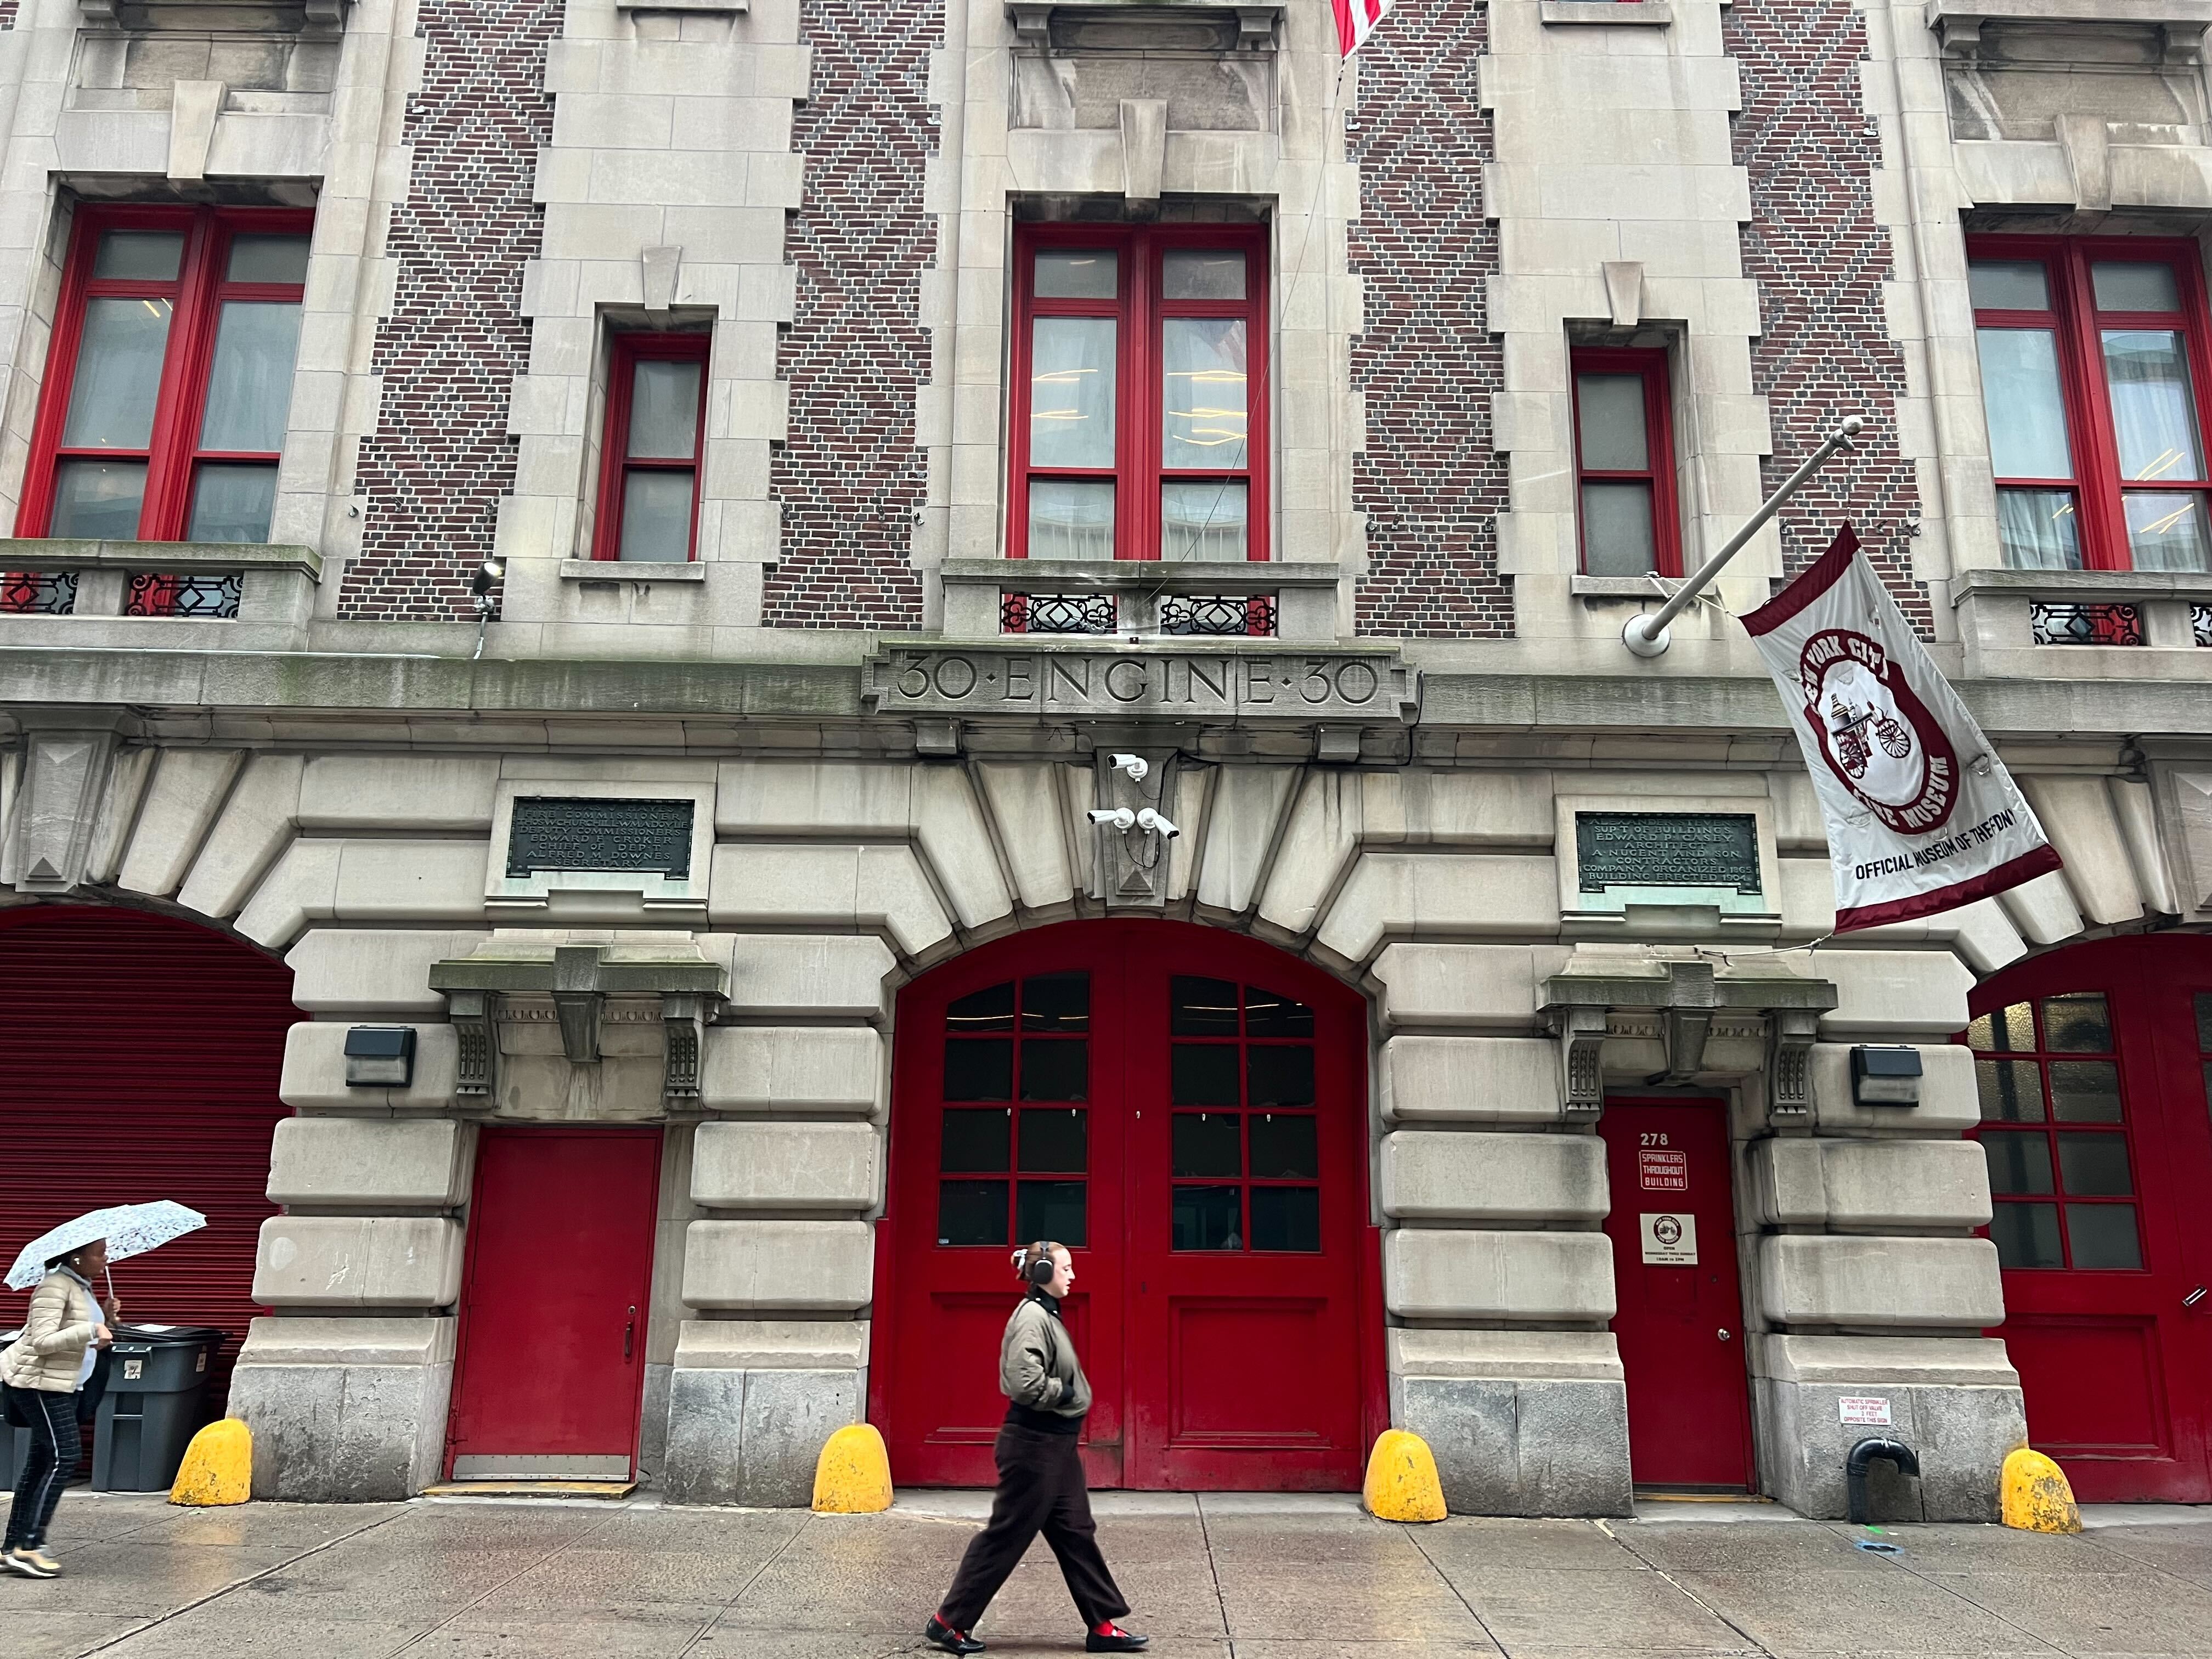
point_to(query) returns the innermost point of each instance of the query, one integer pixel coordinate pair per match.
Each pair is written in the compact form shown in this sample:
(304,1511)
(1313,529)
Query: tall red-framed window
(1139,426)
(1625,463)
(169,381)
(656,432)
(2095,363)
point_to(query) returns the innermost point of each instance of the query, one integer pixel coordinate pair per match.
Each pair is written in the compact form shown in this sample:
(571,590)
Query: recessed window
(1624,463)
(170,383)
(649,468)
(2094,373)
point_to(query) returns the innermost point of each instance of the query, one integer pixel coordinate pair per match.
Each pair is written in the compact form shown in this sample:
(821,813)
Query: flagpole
(1646,634)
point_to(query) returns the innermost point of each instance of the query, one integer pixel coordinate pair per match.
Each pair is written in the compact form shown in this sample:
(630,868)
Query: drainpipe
(1855,1470)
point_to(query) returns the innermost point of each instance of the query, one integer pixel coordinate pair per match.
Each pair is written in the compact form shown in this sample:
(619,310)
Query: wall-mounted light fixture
(379,1056)
(1885,1076)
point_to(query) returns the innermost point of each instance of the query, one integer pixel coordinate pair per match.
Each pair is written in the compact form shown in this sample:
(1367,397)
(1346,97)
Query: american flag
(1354,19)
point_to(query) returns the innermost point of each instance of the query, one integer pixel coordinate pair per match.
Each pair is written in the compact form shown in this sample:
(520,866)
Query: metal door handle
(1724,1333)
(2193,1297)
(629,1332)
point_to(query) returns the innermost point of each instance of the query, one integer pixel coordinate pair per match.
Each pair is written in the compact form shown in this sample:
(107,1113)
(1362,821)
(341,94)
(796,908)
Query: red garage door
(141,1057)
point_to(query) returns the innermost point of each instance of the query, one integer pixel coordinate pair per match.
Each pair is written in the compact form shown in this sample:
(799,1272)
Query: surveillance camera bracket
(1130,868)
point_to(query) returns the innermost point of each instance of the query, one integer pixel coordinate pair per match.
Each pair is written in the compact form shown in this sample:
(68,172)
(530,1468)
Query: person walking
(42,1370)
(1041,1486)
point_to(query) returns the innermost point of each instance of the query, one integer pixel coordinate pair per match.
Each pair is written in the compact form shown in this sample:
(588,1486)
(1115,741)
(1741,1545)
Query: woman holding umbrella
(42,1370)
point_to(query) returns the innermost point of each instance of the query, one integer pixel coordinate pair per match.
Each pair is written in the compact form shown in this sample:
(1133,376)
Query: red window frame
(172,454)
(1137,472)
(1658,471)
(2075,321)
(616,462)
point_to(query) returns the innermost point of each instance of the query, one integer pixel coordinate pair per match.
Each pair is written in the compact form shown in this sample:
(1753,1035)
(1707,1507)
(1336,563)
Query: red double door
(2093,1064)
(1186,1110)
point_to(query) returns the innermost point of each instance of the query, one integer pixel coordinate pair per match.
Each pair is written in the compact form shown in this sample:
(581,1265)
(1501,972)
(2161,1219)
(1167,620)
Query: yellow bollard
(2037,1497)
(1401,1479)
(218,1466)
(852,1476)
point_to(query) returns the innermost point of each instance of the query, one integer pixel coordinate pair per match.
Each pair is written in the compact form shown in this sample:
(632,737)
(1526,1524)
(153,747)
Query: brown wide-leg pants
(1040,1489)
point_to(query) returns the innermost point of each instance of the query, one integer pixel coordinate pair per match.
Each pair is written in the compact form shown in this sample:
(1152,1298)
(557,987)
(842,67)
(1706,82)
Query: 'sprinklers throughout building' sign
(1289,685)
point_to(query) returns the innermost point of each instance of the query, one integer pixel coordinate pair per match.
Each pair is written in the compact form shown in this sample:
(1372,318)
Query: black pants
(1040,1489)
(55,1447)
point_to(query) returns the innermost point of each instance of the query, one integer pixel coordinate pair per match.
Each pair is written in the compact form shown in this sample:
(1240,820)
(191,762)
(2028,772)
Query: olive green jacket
(1037,1366)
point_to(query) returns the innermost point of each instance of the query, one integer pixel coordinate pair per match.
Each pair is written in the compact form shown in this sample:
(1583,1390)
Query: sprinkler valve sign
(1863,1411)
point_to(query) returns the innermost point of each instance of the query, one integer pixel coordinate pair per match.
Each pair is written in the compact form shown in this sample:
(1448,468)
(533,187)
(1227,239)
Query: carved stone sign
(1667,849)
(558,832)
(1286,685)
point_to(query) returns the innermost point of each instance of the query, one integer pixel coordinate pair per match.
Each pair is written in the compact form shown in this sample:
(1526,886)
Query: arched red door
(1185,1109)
(2092,1064)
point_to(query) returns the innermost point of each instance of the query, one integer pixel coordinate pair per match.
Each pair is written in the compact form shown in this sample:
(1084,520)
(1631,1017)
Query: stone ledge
(1648,13)
(54,553)
(772,1345)
(2080,586)
(642,570)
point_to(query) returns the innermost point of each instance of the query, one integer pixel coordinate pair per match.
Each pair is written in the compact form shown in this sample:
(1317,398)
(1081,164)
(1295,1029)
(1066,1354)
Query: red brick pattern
(1429,481)
(1820,261)
(851,477)
(8,14)
(434,470)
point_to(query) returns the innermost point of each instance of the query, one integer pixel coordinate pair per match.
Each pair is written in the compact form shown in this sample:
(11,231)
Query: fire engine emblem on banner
(1922,816)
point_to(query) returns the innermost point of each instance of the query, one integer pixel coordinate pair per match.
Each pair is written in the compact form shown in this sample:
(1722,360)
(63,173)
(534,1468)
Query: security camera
(1135,765)
(1148,820)
(1114,818)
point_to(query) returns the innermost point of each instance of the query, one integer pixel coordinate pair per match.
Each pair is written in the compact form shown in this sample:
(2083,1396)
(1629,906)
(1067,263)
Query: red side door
(551,1376)
(2092,1063)
(1680,1318)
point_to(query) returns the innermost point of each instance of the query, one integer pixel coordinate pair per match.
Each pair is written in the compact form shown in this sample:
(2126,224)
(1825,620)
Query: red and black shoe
(938,1634)
(1110,1637)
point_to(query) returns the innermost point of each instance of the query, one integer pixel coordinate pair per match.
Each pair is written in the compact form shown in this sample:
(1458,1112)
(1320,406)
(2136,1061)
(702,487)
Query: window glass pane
(971,1211)
(140,256)
(1617,529)
(1204,520)
(1072,391)
(1209,273)
(2026,1235)
(1610,408)
(1071,518)
(98,499)
(258,258)
(1287,1218)
(656,520)
(1270,1014)
(1284,1148)
(250,382)
(979,1068)
(1204,1074)
(232,501)
(1076,274)
(975,1142)
(2012,1091)
(2085,1091)
(664,410)
(2134,285)
(2010,1028)
(1055,1142)
(1207,1143)
(2018,1162)
(2167,530)
(2040,529)
(1206,1219)
(1053,1210)
(2103,1235)
(1279,1076)
(2022,404)
(2076,1024)
(1202,406)
(2009,285)
(991,1009)
(1056,1069)
(2154,416)
(2204,1022)
(1056,1002)
(2094,1166)
(119,375)
(1201,1008)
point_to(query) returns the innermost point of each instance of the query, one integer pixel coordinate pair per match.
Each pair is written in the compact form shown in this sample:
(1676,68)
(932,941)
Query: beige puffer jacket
(51,1351)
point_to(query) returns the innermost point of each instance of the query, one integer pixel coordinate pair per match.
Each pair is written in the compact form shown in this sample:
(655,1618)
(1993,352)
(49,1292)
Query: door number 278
(1650,1139)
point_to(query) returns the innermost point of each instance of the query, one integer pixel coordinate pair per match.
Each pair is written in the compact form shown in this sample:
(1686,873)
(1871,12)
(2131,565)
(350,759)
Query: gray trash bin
(156,1397)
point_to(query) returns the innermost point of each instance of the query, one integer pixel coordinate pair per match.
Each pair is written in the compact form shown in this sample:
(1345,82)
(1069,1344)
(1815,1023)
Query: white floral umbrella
(130,1230)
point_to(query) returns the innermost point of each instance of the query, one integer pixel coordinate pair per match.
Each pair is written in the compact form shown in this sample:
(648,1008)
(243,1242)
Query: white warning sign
(1864,1411)
(1663,1172)
(1669,1241)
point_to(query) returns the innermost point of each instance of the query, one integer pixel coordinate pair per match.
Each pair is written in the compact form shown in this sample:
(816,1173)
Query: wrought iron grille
(1056,613)
(153,595)
(1201,613)
(39,592)
(2057,623)
(2200,623)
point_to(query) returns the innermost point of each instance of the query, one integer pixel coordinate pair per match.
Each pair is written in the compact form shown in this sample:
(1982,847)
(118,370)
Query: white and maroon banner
(1921,815)
(1354,19)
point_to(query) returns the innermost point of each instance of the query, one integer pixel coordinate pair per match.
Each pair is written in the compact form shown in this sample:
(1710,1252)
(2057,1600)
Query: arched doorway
(141,1057)
(1186,1109)
(2093,1064)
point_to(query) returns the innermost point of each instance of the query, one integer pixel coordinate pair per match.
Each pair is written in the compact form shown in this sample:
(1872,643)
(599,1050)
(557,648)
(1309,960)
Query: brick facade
(440,459)
(1428,480)
(851,477)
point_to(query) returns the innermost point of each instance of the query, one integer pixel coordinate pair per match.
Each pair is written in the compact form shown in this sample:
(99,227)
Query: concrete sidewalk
(1221,1577)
